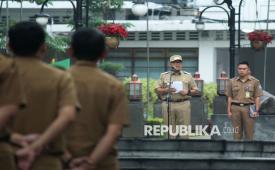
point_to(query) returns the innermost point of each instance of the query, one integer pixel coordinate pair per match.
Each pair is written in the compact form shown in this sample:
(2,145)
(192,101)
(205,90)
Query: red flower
(117,30)
(260,36)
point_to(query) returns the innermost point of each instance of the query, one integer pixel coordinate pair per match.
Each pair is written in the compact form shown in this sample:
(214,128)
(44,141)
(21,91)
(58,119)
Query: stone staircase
(161,154)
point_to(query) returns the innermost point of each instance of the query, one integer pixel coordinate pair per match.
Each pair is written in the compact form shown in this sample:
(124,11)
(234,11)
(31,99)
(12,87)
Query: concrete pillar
(207,61)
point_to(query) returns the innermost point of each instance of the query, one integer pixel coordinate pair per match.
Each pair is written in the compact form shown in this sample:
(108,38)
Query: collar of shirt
(249,78)
(86,63)
(177,73)
(27,60)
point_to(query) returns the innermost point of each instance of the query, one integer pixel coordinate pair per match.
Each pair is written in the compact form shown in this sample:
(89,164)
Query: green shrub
(210,92)
(152,96)
(58,43)
(154,121)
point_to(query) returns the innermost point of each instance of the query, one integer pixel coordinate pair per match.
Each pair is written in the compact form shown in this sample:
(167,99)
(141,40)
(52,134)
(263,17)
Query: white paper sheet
(177,85)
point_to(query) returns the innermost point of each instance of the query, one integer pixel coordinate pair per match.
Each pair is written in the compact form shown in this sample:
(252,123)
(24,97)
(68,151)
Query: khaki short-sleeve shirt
(103,102)
(47,90)
(186,79)
(11,91)
(244,92)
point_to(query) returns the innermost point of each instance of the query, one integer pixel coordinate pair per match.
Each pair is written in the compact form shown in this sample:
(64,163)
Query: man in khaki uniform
(180,108)
(51,100)
(11,93)
(92,137)
(11,99)
(242,92)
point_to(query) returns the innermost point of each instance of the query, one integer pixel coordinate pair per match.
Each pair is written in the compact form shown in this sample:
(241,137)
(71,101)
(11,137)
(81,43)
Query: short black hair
(244,63)
(88,44)
(25,38)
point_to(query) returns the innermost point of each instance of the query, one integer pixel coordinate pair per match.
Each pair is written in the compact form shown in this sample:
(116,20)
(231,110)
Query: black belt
(242,104)
(179,100)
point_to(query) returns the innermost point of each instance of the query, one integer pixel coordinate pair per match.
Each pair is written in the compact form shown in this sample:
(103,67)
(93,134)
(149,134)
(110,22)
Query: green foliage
(99,9)
(2,41)
(111,68)
(38,2)
(154,121)
(210,92)
(96,22)
(59,43)
(128,25)
(101,5)
(152,95)
(3,30)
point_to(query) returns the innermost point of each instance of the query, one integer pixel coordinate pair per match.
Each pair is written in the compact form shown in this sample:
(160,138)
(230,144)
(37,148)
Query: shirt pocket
(251,91)
(185,84)
(235,90)
(165,83)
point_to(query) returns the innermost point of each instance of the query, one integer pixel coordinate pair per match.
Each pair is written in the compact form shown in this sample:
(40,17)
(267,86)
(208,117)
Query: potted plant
(259,39)
(114,32)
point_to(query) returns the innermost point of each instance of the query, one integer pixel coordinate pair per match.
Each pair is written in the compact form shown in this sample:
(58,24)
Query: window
(156,62)
(193,36)
(135,60)
(219,35)
(168,36)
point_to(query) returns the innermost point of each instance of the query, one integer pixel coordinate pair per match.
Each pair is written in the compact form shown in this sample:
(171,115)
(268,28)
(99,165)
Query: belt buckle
(241,104)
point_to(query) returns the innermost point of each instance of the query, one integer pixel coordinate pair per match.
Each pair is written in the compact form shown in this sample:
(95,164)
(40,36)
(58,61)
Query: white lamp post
(200,25)
(140,9)
(42,19)
(247,30)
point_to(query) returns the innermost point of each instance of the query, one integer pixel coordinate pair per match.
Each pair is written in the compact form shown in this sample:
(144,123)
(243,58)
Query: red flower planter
(259,39)
(113,32)
(112,42)
(258,45)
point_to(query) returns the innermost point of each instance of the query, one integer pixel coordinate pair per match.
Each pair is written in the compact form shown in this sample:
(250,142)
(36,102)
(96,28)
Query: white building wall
(206,47)
(207,61)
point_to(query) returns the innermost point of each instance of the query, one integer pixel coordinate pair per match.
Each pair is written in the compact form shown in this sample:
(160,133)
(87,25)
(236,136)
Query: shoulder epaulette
(165,73)
(253,78)
(186,73)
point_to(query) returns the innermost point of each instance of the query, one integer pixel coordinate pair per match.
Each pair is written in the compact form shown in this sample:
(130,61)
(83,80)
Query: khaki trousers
(111,166)
(180,114)
(47,162)
(109,163)
(242,123)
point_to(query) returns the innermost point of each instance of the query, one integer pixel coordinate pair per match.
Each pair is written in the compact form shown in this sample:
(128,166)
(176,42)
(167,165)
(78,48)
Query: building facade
(171,31)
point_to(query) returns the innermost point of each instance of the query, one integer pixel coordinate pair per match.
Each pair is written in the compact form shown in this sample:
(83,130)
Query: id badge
(247,94)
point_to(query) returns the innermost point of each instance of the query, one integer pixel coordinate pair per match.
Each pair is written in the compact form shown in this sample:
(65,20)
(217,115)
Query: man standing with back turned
(11,98)
(242,92)
(93,135)
(51,98)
